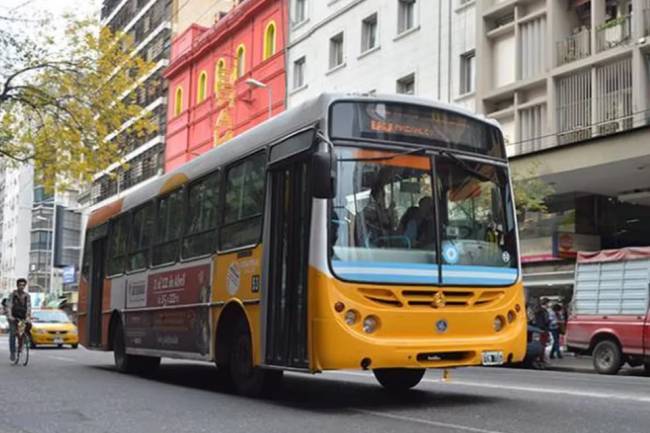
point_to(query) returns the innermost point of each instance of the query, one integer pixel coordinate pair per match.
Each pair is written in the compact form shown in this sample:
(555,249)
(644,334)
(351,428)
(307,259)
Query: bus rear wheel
(126,363)
(247,379)
(398,379)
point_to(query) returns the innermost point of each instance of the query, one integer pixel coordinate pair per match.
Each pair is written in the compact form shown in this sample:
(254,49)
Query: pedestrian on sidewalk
(554,327)
(542,322)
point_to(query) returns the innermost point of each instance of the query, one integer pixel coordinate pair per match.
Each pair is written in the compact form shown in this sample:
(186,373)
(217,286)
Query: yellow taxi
(53,327)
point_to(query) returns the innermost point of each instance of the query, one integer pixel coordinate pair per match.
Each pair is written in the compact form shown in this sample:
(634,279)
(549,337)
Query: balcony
(575,47)
(613,33)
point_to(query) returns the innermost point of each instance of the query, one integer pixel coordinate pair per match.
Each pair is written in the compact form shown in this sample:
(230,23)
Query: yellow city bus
(352,232)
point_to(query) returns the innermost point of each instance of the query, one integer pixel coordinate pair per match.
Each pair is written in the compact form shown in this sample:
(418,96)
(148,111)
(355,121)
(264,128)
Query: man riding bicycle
(19,307)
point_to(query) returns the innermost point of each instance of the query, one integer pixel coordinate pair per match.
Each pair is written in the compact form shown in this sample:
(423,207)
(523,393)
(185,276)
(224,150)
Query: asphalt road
(65,390)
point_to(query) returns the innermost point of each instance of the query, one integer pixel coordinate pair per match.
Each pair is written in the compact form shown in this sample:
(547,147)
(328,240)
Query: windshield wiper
(416,151)
(462,164)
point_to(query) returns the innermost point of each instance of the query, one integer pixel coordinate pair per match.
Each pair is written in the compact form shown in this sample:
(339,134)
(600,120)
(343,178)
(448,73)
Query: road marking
(499,386)
(603,395)
(62,358)
(426,422)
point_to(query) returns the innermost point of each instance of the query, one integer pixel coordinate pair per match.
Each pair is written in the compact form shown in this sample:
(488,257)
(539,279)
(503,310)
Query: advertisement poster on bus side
(172,329)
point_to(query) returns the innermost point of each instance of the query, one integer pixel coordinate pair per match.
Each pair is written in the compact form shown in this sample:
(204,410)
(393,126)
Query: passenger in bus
(408,224)
(376,221)
(417,224)
(426,234)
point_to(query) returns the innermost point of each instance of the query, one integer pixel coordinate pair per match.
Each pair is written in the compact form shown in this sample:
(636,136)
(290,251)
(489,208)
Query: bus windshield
(384,227)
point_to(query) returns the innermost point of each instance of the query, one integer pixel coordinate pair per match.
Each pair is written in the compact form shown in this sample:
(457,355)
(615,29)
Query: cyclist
(19,307)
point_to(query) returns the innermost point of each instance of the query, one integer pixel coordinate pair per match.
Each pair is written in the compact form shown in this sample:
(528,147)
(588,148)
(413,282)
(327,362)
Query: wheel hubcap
(605,358)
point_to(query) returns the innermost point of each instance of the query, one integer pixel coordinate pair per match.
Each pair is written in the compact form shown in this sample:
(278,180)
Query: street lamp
(258,84)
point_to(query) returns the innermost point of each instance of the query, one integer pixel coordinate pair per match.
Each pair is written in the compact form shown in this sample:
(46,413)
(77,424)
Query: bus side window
(140,239)
(117,244)
(168,228)
(201,223)
(244,206)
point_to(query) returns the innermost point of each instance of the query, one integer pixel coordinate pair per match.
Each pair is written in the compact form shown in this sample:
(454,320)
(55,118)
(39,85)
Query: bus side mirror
(323,171)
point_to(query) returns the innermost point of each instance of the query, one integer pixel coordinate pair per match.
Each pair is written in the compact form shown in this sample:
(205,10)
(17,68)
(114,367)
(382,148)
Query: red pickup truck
(610,317)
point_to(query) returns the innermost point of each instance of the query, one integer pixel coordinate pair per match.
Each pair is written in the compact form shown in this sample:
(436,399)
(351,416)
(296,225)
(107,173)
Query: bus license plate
(58,340)
(492,358)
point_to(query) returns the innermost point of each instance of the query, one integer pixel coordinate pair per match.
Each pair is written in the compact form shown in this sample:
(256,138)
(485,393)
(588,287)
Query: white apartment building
(16,185)
(569,81)
(149,23)
(419,47)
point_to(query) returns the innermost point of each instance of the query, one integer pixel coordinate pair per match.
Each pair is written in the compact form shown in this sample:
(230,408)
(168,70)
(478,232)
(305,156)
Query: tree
(530,191)
(65,103)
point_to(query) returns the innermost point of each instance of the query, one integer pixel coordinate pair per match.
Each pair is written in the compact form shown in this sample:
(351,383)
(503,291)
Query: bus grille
(432,298)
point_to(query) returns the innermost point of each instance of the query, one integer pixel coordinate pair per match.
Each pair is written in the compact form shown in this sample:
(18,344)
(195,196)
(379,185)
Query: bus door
(287,231)
(96,292)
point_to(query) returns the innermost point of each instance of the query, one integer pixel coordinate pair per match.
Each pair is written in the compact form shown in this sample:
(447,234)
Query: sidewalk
(584,364)
(571,362)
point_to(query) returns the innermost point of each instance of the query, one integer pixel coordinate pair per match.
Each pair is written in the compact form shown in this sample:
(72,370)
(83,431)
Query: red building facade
(216,76)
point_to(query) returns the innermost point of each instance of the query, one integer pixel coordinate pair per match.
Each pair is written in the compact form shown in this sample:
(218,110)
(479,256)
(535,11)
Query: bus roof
(307,114)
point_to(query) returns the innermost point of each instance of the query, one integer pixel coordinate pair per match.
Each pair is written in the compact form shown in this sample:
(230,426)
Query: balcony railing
(575,47)
(614,33)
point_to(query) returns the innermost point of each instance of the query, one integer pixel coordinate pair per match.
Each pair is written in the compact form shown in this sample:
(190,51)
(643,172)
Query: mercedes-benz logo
(441,325)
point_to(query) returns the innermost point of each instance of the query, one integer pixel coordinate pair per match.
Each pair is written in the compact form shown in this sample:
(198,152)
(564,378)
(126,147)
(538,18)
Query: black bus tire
(247,379)
(126,363)
(398,379)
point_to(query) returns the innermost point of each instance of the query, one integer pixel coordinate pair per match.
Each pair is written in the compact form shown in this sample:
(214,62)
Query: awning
(549,279)
(606,256)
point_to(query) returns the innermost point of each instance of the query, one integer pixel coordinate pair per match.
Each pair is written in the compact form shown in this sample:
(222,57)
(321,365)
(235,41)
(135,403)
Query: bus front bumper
(340,349)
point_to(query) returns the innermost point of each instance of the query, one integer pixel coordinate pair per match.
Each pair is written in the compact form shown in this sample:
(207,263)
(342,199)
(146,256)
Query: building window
(467,72)
(219,75)
(202,85)
(241,61)
(369,33)
(299,73)
(405,15)
(336,51)
(178,101)
(406,85)
(269,40)
(299,11)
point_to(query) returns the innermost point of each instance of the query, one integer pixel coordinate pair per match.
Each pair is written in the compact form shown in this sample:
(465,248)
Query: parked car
(53,327)
(610,318)
(4,325)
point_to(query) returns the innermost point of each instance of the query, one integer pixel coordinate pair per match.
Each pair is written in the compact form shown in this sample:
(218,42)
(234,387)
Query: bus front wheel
(247,379)
(398,379)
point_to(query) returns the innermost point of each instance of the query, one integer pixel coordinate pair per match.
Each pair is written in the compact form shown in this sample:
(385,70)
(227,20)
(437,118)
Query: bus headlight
(370,324)
(351,317)
(499,322)
(511,316)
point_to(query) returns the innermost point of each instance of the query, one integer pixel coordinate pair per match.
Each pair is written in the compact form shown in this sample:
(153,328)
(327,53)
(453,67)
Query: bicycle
(22,343)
